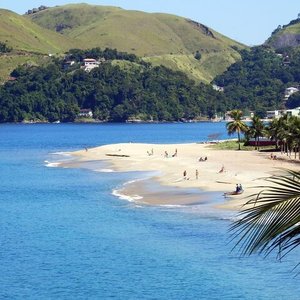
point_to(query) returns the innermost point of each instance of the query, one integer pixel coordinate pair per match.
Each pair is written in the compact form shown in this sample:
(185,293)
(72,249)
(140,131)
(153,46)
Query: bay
(63,235)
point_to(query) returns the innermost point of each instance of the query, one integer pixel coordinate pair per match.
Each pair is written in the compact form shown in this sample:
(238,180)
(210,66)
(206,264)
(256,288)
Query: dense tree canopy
(124,87)
(258,81)
(112,92)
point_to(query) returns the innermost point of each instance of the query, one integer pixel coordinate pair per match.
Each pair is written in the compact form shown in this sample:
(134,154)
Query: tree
(294,134)
(197,55)
(237,125)
(4,48)
(273,131)
(256,130)
(272,220)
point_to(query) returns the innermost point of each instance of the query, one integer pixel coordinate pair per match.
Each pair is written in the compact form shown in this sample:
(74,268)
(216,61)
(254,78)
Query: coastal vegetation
(256,130)
(236,125)
(286,132)
(270,219)
(283,131)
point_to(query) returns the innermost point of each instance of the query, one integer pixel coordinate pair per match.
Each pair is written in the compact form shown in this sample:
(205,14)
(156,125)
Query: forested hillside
(123,87)
(259,80)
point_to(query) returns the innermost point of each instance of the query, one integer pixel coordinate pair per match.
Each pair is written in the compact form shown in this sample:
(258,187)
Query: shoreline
(170,161)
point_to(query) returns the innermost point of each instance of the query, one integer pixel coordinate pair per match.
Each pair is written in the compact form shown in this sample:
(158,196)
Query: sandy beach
(175,165)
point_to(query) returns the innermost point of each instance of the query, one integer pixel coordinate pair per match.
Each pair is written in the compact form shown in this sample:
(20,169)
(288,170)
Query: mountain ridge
(159,38)
(285,36)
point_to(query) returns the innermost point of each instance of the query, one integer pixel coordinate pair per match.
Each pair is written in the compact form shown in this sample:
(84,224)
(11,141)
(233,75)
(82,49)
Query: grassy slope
(10,61)
(29,42)
(23,34)
(159,38)
(293,29)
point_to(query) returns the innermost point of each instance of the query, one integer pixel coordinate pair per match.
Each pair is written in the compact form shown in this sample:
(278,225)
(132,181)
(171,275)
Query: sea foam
(133,198)
(51,164)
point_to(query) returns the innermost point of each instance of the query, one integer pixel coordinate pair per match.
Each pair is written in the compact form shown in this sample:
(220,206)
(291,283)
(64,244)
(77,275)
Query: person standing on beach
(175,153)
(197,173)
(184,174)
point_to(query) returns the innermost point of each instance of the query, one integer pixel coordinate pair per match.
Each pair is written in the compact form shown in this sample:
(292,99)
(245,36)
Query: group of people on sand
(150,152)
(187,178)
(166,155)
(203,158)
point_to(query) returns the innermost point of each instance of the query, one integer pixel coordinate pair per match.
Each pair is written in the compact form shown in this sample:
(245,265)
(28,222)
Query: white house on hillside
(91,63)
(85,113)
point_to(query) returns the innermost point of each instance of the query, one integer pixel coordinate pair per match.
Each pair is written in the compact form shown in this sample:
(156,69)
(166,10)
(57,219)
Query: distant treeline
(35,10)
(134,90)
(96,53)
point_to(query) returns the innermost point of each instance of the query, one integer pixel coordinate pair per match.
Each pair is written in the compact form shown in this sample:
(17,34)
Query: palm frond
(272,217)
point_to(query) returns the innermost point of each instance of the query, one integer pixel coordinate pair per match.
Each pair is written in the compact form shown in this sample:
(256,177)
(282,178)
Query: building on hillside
(218,88)
(85,113)
(293,112)
(91,63)
(274,114)
(290,91)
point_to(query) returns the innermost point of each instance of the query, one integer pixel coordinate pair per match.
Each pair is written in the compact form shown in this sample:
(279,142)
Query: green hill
(21,33)
(286,35)
(31,43)
(159,38)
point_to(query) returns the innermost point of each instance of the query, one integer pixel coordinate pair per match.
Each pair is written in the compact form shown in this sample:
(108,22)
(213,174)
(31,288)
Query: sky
(250,22)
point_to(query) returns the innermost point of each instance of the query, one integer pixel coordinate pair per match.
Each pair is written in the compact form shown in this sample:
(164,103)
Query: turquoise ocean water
(63,235)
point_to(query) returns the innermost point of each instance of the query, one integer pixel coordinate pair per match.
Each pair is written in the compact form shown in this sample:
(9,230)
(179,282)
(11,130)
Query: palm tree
(237,125)
(294,134)
(273,219)
(273,131)
(256,130)
(278,130)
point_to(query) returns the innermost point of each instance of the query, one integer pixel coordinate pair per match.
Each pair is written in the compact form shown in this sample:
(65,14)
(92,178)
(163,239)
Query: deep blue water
(64,236)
